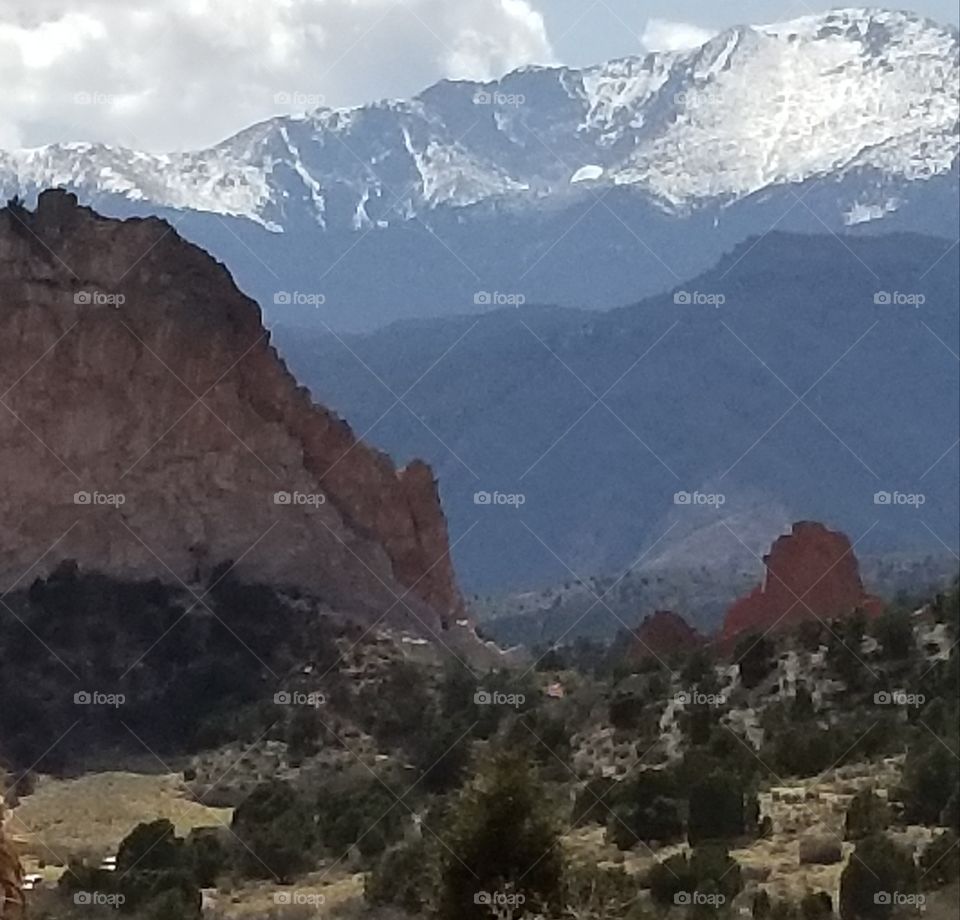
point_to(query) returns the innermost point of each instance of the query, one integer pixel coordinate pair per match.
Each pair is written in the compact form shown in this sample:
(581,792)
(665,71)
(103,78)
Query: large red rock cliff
(149,437)
(811,572)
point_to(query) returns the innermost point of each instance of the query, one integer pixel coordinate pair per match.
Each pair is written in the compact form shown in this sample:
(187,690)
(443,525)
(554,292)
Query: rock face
(148,428)
(665,633)
(811,572)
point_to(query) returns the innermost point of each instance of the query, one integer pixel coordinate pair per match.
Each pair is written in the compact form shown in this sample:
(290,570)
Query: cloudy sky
(177,74)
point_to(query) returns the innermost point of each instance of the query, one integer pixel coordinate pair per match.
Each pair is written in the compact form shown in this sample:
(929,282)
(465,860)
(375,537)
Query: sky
(182,74)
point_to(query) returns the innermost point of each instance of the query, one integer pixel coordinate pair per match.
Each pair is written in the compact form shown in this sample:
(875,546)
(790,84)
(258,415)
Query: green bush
(160,893)
(755,655)
(404,876)
(152,845)
(930,777)
(645,808)
(276,831)
(894,631)
(707,871)
(716,809)
(502,840)
(876,872)
(367,815)
(802,749)
(816,905)
(208,858)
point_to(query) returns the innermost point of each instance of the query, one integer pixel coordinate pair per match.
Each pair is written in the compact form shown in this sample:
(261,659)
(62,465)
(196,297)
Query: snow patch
(588,173)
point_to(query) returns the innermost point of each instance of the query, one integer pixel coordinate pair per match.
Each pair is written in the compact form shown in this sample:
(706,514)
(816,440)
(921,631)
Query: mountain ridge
(588,188)
(639,117)
(494,394)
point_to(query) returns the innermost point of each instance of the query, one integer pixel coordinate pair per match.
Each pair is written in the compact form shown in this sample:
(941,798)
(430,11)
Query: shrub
(161,894)
(505,841)
(155,872)
(276,831)
(754,654)
(404,876)
(716,809)
(645,808)
(593,893)
(894,632)
(930,777)
(708,870)
(816,905)
(367,815)
(592,805)
(868,814)
(803,749)
(940,861)
(152,845)
(208,858)
(626,711)
(877,869)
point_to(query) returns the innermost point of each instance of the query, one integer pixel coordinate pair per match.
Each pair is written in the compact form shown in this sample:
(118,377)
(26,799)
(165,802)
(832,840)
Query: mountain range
(554,185)
(803,377)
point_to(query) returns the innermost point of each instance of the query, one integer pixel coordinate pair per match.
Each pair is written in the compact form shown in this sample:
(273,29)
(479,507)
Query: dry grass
(312,895)
(89,816)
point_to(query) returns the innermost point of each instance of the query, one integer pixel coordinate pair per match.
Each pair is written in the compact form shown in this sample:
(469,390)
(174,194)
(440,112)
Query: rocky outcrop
(811,573)
(148,428)
(664,633)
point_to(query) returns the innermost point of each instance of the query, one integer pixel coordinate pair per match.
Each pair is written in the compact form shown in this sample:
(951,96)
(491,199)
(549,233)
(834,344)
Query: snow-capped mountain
(861,102)
(754,107)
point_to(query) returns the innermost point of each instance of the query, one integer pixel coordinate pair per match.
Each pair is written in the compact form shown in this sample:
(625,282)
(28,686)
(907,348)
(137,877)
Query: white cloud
(667,35)
(176,74)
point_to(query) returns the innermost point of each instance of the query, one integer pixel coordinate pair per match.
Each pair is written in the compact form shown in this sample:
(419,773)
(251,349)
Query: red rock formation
(175,400)
(664,633)
(811,572)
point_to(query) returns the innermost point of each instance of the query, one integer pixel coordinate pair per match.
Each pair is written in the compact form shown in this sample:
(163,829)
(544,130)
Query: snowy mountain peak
(754,108)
